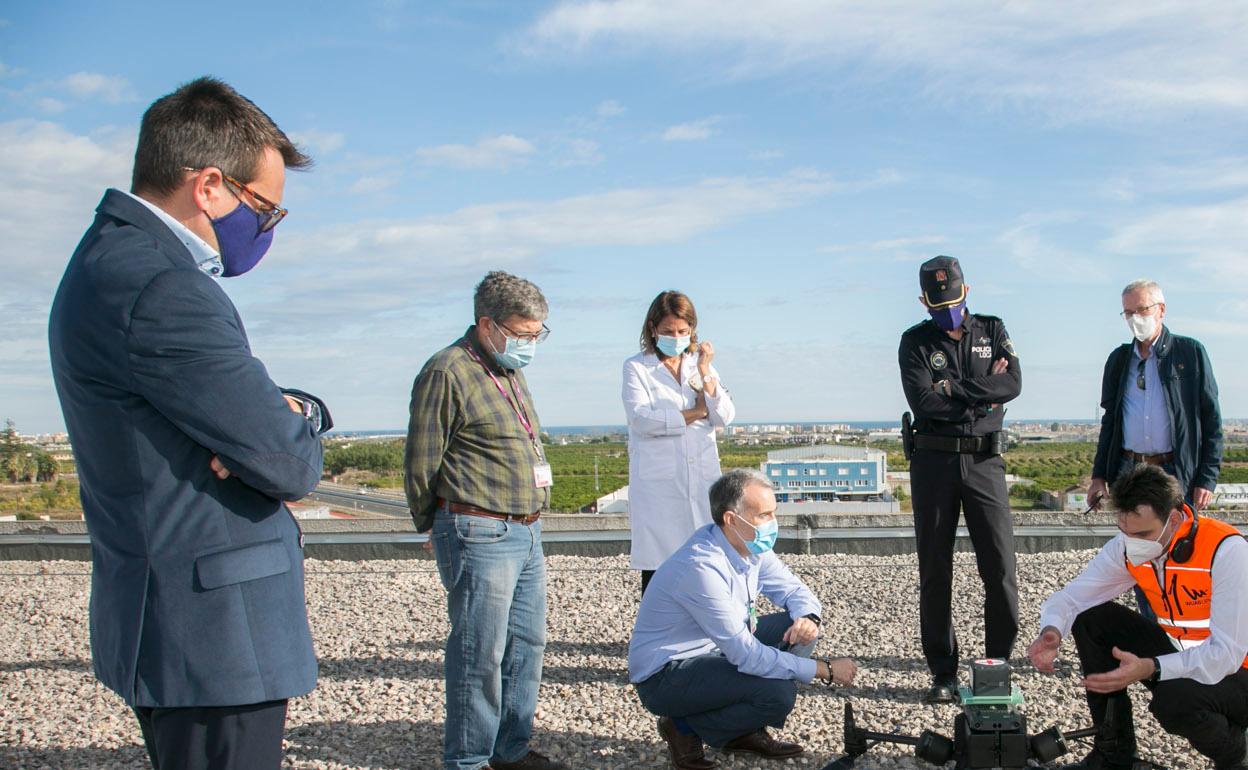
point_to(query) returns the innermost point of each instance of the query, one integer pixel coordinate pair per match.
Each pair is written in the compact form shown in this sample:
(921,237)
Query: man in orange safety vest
(1194,572)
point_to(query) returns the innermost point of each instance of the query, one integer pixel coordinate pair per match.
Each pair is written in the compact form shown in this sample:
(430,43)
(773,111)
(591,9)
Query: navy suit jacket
(197,583)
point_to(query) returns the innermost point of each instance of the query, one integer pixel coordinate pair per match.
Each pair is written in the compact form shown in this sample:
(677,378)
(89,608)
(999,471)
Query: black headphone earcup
(1183,549)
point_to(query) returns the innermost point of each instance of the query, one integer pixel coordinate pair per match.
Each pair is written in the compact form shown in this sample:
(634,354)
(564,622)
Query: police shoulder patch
(1009,347)
(938,360)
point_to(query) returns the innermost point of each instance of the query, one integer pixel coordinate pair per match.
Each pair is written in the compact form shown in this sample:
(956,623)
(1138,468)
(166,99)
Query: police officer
(958,369)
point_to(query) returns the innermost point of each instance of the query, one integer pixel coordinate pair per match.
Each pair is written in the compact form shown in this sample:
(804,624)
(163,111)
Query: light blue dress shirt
(702,599)
(204,255)
(1145,414)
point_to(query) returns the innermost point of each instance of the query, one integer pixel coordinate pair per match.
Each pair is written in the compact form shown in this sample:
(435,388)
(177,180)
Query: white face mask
(1141,550)
(1143,327)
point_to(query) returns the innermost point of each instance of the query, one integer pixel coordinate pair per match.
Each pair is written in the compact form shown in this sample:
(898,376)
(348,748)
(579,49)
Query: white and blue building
(826,473)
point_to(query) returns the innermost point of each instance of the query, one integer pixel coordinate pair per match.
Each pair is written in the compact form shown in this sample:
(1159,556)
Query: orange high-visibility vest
(1182,598)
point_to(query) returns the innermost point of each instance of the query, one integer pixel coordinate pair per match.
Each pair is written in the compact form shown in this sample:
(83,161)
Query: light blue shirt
(1145,414)
(204,255)
(702,600)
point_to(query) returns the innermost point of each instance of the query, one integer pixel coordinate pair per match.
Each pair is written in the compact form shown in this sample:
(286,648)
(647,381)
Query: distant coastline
(600,430)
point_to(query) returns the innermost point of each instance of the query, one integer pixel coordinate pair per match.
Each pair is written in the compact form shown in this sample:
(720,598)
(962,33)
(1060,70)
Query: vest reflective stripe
(1184,623)
(1182,601)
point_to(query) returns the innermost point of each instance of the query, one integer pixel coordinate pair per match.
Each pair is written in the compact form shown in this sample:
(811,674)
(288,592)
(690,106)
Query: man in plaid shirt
(477,476)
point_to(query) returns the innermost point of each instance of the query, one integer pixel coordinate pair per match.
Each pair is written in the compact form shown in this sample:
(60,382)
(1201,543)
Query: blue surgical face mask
(516,354)
(671,346)
(764,536)
(239,239)
(948,318)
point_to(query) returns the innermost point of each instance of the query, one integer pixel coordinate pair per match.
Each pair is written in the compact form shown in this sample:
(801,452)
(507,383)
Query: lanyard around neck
(517,405)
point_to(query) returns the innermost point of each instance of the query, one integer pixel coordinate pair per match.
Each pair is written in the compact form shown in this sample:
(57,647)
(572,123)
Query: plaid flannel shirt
(465,443)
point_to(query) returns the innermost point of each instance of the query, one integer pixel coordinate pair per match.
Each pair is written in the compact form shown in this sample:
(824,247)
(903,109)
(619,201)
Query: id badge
(542,476)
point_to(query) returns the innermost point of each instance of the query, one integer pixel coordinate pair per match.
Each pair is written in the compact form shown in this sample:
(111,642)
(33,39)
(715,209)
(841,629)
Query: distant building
(1230,496)
(615,502)
(825,472)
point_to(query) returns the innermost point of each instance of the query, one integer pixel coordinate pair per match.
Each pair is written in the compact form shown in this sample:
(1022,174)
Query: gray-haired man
(1161,406)
(477,476)
(700,656)
(1161,403)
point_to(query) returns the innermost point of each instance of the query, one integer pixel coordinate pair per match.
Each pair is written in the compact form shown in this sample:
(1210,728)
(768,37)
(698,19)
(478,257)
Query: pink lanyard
(518,408)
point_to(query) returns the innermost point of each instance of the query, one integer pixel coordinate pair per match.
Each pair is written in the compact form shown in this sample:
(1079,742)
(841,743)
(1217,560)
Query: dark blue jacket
(1192,398)
(197,583)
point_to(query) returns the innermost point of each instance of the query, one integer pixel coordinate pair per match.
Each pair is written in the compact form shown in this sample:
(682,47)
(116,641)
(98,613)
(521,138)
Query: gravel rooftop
(379,629)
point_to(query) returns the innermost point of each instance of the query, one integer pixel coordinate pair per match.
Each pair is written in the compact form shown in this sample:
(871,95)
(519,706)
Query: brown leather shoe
(762,744)
(530,761)
(684,748)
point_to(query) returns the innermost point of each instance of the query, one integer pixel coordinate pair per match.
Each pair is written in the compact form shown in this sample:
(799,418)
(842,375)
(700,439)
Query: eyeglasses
(538,337)
(1139,376)
(270,212)
(1139,310)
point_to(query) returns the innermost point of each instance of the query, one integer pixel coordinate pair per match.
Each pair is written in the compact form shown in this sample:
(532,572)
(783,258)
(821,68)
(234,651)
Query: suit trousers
(715,699)
(214,738)
(942,484)
(1212,717)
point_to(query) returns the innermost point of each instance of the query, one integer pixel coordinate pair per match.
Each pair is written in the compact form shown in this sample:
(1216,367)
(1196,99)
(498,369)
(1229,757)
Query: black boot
(1114,746)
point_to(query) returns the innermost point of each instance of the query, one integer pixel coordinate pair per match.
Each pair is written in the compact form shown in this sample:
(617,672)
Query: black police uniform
(955,465)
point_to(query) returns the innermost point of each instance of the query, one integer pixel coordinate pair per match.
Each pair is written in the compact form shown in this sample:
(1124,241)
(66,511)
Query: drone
(990,732)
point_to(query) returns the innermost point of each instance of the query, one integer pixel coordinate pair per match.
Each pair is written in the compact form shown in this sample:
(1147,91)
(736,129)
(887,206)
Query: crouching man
(702,659)
(1194,573)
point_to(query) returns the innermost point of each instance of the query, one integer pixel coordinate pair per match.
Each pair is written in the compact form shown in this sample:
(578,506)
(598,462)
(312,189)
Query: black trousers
(220,738)
(1211,717)
(942,484)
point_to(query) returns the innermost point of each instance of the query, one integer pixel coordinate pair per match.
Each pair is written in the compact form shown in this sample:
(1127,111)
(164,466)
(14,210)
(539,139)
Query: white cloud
(1069,59)
(1032,247)
(50,106)
(498,152)
(370,185)
(909,242)
(694,131)
(318,142)
(609,109)
(53,181)
(93,85)
(767,155)
(1212,238)
(581,152)
(1167,180)
(383,268)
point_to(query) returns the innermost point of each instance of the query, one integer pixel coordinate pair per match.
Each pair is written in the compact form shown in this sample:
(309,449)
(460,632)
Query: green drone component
(1015,698)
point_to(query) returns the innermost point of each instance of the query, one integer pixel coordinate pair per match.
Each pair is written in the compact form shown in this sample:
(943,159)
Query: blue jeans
(495,577)
(718,701)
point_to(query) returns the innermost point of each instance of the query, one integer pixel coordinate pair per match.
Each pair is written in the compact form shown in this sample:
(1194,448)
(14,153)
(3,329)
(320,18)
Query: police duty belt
(992,443)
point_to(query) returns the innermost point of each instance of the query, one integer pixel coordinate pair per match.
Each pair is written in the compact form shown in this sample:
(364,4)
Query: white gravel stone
(380,625)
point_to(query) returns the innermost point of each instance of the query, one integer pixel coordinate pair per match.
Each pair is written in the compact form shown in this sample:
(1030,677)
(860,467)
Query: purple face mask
(239,238)
(948,318)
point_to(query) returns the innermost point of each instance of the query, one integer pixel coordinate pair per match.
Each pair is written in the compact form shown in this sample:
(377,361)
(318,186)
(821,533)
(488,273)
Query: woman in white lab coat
(674,402)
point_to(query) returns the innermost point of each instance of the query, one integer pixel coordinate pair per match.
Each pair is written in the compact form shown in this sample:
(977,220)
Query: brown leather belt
(1160,459)
(472,510)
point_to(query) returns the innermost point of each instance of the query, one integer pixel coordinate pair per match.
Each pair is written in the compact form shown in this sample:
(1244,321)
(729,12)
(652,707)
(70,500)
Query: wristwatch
(1156,677)
(812,617)
(827,662)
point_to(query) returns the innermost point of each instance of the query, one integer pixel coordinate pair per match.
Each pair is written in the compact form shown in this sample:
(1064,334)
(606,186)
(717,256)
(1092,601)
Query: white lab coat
(671,466)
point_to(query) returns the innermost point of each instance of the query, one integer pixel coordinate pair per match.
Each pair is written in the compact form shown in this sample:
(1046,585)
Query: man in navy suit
(185,447)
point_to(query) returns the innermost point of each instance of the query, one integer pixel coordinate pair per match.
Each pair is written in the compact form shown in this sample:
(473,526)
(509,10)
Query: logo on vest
(1195,594)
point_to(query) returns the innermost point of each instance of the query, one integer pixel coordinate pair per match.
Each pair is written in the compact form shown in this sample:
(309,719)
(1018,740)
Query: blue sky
(786,164)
